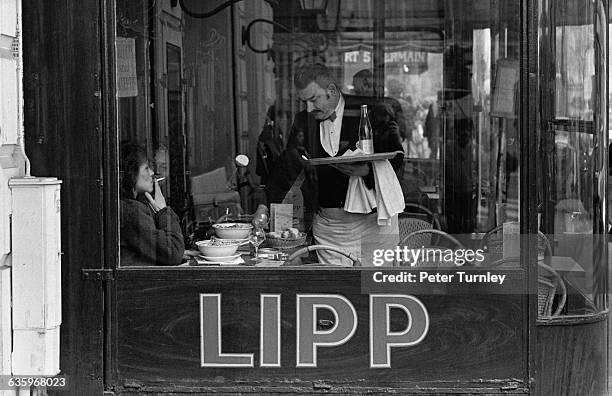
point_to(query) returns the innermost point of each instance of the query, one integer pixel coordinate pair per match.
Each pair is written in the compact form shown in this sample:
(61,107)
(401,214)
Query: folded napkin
(359,199)
(389,195)
(201,261)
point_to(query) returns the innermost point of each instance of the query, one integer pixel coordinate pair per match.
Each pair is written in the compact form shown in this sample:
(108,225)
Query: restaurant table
(571,271)
(568,268)
(249,261)
(579,247)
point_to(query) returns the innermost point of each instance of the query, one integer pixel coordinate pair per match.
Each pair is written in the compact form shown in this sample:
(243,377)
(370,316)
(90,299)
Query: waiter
(331,130)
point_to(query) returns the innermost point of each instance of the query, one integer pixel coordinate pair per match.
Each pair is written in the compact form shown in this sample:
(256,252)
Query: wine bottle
(366,142)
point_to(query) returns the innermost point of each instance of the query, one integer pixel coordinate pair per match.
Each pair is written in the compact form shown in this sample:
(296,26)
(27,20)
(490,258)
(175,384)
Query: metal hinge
(15,46)
(98,274)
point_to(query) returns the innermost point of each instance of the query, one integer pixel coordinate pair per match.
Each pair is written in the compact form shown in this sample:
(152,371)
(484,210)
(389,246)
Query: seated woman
(150,230)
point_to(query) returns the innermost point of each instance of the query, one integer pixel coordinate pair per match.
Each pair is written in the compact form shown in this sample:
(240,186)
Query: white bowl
(216,248)
(232,230)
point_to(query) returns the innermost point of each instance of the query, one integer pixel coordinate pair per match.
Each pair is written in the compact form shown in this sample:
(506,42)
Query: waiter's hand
(355,169)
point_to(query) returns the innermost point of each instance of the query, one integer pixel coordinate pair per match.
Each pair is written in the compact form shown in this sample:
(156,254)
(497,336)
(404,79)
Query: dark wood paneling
(572,358)
(63,138)
(475,341)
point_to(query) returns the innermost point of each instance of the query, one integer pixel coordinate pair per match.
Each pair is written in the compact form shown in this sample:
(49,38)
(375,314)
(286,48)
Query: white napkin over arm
(359,199)
(389,195)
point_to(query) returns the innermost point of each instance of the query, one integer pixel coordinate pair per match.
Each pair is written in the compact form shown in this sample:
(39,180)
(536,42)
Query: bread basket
(285,243)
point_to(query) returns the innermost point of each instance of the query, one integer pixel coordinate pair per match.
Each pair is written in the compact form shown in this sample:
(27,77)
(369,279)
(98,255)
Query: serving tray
(352,158)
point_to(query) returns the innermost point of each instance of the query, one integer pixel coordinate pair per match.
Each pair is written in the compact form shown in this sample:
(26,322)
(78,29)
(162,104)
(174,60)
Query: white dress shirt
(329,131)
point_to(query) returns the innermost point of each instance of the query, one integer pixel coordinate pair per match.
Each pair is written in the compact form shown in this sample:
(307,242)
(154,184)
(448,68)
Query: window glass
(196,88)
(571,159)
(609,94)
(575,72)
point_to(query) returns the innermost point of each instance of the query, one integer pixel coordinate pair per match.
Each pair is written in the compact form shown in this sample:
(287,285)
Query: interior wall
(207,45)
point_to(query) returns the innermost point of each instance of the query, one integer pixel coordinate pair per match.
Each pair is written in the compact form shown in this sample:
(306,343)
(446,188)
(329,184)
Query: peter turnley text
(437,277)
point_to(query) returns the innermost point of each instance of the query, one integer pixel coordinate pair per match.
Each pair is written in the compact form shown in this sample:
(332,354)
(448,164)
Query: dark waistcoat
(331,184)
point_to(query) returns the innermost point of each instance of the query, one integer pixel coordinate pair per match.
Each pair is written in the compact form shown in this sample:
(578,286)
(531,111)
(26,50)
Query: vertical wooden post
(63,128)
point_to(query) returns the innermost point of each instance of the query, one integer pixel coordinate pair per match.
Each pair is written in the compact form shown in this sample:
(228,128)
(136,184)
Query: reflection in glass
(203,96)
(570,155)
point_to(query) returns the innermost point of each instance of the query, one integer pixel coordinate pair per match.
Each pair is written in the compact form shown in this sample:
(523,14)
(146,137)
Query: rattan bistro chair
(416,217)
(449,240)
(291,260)
(492,244)
(506,262)
(408,225)
(413,171)
(411,180)
(549,286)
(421,212)
(422,239)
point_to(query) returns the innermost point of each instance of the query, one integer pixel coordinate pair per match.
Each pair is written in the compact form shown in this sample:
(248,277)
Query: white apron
(354,233)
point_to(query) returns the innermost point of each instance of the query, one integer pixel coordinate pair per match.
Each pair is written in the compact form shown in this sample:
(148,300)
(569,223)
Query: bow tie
(332,117)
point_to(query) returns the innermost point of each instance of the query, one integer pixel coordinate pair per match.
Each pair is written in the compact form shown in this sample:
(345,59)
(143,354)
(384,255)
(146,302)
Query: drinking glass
(261,220)
(257,237)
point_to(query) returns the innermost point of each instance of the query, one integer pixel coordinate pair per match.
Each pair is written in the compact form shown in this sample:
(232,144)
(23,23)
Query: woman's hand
(159,202)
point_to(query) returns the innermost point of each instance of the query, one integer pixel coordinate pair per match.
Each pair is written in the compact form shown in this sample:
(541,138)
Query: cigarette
(160,179)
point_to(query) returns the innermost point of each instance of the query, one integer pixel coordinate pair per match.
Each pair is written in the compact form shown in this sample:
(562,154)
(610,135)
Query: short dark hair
(381,114)
(132,157)
(317,72)
(363,73)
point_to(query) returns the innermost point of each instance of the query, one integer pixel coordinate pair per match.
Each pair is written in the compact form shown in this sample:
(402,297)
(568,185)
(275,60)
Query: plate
(220,259)
(352,158)
(201,261)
